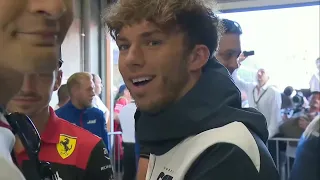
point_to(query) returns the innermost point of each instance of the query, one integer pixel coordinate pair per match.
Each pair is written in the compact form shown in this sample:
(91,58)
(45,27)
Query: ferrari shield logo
(66,145)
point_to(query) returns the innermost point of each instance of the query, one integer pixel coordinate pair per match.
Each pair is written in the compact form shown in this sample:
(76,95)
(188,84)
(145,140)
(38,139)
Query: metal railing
(115,156)
(282,160)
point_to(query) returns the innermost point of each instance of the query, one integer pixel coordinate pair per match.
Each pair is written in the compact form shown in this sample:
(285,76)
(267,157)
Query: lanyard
(256,102)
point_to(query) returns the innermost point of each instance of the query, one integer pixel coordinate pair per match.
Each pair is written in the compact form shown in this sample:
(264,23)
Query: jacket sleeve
(223,161)
(144,152)
(99,165)
(104,131)
(306,164)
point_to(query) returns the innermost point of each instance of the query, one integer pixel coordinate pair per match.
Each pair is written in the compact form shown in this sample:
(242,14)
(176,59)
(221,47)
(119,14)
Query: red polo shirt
(74,153)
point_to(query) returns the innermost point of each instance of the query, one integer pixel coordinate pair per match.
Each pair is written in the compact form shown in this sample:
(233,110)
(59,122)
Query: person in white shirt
(315,79)
(97,102)
(263,96)
(229,54)
(127,121)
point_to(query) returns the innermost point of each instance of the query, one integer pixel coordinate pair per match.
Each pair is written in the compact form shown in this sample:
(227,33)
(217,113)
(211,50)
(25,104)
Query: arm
(104,131)
(99,166)
(275,113)
(143,163)
(224,162)
(241,84)
(142,168)
(117,108)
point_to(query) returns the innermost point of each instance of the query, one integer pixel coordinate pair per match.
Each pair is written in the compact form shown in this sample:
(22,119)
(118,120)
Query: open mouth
(142,81)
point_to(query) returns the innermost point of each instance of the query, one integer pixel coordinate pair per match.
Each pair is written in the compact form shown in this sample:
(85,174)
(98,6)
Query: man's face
(315,103)
(31,32)
(229,51)
(85,92)
(154,65)
(35,93)
(262,76)
(97,85)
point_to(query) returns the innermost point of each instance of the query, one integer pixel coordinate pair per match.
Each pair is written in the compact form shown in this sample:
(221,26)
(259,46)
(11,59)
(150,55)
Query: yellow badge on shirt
(66,145)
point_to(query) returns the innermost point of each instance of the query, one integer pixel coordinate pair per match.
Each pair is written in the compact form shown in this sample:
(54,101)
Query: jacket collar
(52,131)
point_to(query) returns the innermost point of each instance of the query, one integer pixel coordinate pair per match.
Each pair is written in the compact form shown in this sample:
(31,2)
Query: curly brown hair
(196,18)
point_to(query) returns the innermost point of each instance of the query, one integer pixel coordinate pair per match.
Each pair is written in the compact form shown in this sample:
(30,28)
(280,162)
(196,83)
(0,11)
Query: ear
(199,57)
(57,84)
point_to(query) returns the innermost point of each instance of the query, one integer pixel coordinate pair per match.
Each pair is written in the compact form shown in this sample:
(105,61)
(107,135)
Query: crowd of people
(180,110)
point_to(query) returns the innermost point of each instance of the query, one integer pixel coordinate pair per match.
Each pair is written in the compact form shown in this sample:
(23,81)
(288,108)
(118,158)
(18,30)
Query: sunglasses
(27,132)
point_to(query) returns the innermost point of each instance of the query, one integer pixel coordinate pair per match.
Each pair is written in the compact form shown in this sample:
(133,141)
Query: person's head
(35,93)
(122,92)
(262,76)
(31,33)
(318,63)
(81,89)
(315,102)
(229,46)
(163,47)
(97,84)
(63,95)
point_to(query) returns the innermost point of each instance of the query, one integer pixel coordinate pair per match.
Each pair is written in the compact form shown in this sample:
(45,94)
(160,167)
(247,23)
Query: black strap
(256,102)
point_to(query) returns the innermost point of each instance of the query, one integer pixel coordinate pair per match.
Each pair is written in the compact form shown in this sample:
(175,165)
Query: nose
(52,9)
(135,56)
(234,63)
(29,82)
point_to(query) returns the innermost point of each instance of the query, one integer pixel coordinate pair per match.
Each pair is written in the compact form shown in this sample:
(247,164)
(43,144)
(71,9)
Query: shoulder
(274,89)
(122,101)
(62,109)
(227,151)
(84,137)
(313,129)
(95,111)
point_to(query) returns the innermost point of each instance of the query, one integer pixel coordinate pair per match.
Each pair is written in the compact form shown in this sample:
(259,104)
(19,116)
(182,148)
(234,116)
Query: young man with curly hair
(190,117)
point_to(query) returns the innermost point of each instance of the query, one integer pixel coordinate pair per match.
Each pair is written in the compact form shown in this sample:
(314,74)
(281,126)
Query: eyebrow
(145,34)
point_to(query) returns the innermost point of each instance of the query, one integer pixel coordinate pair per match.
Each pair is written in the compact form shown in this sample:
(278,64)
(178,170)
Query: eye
(123,47)
(154,43)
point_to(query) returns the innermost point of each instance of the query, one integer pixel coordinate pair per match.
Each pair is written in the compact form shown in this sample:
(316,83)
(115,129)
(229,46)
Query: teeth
(137,80)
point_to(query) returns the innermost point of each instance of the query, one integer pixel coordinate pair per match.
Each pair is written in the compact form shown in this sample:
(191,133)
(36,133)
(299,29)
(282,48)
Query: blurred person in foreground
(31,34)
(190,116)
(73,152)
(307,163)
(229,49)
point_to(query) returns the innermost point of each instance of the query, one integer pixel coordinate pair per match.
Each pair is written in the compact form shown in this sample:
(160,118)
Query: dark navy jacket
(307,163)
(91,119)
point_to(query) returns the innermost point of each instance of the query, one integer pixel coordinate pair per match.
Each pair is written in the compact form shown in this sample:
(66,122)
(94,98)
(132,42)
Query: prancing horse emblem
(66,145)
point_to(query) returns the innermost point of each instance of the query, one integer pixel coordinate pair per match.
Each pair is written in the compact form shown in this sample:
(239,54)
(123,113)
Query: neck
(77,104)
(40,120)
(262,83)
(60,104)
